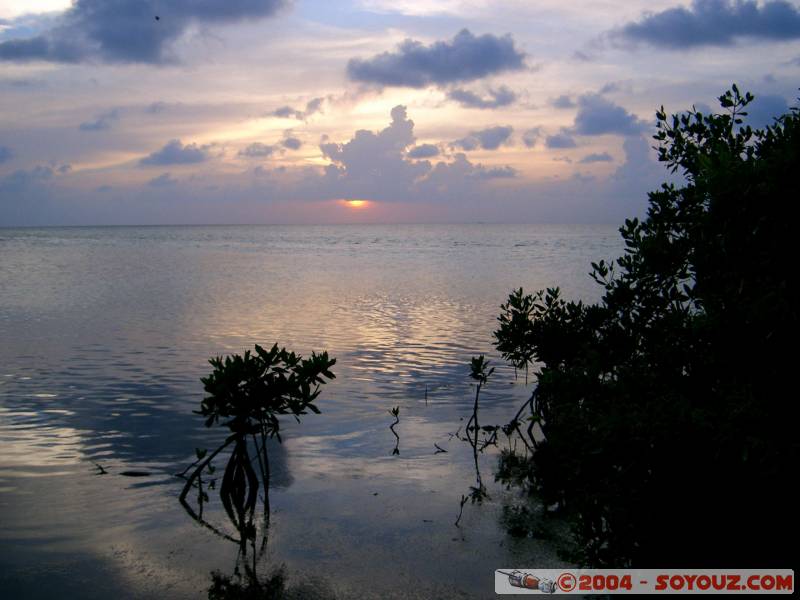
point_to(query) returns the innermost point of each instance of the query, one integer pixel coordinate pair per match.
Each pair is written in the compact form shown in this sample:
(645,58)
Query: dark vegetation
(247,395)
(479,438)
(666,417)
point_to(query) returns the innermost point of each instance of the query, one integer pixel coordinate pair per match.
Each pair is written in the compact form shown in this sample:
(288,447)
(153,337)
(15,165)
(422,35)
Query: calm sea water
(105,332)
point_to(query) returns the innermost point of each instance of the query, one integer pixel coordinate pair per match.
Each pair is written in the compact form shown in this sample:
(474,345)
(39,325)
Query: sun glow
(356,204)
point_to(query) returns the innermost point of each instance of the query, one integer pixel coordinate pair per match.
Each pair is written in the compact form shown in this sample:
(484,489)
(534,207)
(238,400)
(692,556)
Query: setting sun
(356,204)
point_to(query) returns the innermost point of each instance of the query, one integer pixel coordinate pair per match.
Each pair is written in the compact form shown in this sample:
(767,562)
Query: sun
(355,204)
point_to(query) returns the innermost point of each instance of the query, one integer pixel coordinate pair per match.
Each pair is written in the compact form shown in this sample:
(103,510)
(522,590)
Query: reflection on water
(104,334)
(395,412)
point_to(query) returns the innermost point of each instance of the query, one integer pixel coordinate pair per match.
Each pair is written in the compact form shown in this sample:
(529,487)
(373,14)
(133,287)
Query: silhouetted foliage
(513,339)
(667,408)
(250,391)
(480,373)
(247,394)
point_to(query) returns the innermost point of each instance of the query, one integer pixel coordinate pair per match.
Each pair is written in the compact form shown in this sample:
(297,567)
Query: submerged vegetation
(480,373)
(667,425)
(247,395)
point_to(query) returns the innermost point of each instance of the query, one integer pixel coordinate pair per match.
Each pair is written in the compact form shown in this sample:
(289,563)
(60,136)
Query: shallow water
(105,332)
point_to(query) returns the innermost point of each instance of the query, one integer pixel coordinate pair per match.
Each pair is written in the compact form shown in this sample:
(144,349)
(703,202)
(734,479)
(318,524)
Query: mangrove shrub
(667,408)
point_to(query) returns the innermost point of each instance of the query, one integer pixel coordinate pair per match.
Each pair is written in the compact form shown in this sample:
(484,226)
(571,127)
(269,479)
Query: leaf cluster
(480,370)
(246,392)
(513,337)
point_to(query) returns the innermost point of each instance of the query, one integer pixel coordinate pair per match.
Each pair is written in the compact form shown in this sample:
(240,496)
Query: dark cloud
(175,153)
(496,173)
(487,139)
(102,122)
(563,102)
(292,143)
(5,154)
(257,150)
(127,30)
(163,180)
(466,57)
(715,23)
(531,136)
(594,158)
(380,165)
(156,108)
(598,116)
(423,151)
(501,96)
(560,140)
(371,157)
(287,112)
(314,106)
(459,179)
(23,179)
(610,88)
(764,109)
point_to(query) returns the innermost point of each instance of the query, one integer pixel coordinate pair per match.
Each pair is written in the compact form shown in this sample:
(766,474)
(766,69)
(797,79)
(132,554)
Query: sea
(105,333)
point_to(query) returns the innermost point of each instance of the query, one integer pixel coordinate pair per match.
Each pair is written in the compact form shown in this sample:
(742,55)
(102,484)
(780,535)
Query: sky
(311,111)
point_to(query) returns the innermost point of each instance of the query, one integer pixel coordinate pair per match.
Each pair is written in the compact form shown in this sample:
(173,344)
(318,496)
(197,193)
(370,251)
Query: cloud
(763,110)
(373,164)
(175,153)
(287,112)
(531,136)
(610,88)
(466,57)
(156,108)
(560,140)
(381,166)
(257,150)
(714,23)
(371,157)
(598,116)
(5,154)
(163,180)
(292,143)
(24,179)
(487,139)
(501,96)
(594,158)
(459,180)
(423,151)
(496,172)
(102,122)
(127,31)
(563,101)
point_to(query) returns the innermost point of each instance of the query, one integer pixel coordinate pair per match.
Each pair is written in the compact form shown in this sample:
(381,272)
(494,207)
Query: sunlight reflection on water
(106,332)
